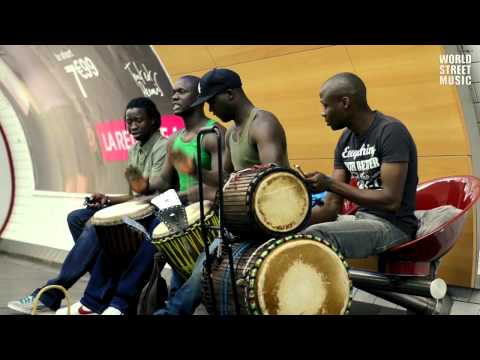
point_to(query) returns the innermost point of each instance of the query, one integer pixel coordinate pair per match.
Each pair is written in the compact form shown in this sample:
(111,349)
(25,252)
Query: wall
(402,81)
(37,218)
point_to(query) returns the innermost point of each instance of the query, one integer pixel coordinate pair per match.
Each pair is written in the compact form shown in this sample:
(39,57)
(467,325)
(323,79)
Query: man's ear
(230,94)
(347,102)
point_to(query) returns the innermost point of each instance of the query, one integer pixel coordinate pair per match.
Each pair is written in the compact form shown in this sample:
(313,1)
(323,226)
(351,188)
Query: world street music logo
(455,69)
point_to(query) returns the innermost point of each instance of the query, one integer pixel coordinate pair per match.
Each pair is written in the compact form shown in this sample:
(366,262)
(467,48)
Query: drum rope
(226,277)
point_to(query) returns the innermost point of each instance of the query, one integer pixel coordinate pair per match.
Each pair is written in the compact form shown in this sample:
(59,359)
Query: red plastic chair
(418,257)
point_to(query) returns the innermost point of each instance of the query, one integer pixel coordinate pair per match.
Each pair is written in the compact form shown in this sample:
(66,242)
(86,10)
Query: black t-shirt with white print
(387,140)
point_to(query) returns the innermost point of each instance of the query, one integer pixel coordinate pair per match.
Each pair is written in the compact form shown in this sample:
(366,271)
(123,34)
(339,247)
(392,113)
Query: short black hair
(150,108)
(349,84)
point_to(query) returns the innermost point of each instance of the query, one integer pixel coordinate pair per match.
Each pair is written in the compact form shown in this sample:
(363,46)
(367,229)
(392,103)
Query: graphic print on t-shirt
(364,166)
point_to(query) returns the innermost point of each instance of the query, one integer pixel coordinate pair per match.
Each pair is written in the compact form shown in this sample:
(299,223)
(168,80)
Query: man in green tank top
(182,147)
(257,137)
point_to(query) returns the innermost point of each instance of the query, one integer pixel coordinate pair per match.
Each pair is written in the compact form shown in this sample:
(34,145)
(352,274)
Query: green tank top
(190,149)
(244,154)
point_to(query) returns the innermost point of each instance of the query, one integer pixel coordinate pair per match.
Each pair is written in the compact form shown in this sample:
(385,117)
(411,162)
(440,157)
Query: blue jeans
(360,235)
(120,287)
(79,260)
(185,296)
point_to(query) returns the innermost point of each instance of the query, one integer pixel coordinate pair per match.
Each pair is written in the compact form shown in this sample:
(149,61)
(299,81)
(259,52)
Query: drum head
(281,202)
(113,215)
(302,277)
(193,215)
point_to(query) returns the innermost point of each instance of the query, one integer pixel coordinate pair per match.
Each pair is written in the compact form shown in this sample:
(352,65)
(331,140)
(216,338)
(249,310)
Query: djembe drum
(266,201)
(119,241)
(183,248)
(295,275)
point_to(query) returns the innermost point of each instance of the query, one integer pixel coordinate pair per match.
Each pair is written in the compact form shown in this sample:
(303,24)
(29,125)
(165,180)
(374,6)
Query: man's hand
(183,163)
(318,181)
(136,181)
(98,200)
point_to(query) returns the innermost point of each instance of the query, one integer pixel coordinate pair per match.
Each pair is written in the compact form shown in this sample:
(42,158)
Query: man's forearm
(321,214)
(114,200)
(377,199)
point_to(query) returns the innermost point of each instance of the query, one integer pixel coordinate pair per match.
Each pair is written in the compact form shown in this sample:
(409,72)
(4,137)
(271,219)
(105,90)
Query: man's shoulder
(390,122)
(265,115)
(161,143)
(266,119)
(133,149)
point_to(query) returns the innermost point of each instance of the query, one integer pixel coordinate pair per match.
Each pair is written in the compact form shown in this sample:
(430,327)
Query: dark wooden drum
(295,275)
(118,240)
(264,202)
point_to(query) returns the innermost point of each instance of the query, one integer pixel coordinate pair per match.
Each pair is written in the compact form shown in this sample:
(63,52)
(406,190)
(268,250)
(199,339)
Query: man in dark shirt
(380,154)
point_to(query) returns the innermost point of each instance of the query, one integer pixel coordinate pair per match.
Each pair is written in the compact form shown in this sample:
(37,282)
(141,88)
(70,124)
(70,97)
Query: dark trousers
(120,287)
(79,260)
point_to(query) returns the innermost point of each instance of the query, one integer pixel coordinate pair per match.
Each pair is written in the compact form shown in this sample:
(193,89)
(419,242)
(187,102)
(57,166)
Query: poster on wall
(71,99)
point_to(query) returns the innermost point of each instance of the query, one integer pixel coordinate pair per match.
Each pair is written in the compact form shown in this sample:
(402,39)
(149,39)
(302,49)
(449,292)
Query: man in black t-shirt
(379,152)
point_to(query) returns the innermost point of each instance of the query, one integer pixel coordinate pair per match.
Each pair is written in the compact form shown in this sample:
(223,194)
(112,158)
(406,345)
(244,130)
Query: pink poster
(115,140)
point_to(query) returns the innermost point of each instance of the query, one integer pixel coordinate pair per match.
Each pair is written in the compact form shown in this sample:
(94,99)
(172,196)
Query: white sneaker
(112,311)
(25,305)
(76,309)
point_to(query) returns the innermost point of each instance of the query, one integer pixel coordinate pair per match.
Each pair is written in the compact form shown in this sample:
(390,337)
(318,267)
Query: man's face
(184,94)
(220,106)
(334,111)
(139,124)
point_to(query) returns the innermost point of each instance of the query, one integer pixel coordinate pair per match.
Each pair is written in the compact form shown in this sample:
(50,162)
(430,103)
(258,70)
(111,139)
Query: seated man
(143,121)
(113,292)
(257,137)
(379,152)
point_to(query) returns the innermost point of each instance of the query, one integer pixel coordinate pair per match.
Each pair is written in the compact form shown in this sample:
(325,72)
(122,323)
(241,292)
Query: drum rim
(252,270)
(148,211)
(250,201)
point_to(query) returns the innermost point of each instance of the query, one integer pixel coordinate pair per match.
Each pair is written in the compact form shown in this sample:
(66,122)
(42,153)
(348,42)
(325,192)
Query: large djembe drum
(295,275)
(266,201)
(119,241)
(182,248)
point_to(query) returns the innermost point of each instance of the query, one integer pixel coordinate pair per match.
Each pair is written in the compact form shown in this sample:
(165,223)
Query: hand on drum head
(97,200)
(318,181)
(136,181)
(183,163)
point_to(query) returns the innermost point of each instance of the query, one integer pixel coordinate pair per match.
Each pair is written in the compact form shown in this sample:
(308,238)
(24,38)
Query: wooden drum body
(183,248)
(265,202)
(118,240)
(296,275)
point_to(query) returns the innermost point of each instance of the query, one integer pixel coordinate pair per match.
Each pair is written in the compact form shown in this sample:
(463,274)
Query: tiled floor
(18,277)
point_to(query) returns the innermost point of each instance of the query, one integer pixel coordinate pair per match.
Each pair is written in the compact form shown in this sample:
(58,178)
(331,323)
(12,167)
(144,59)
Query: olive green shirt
(150,157)
(243,153)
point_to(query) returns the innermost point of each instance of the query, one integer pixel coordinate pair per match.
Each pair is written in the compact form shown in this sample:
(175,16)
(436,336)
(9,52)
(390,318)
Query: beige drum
(264,202)
(296,275)
(183,248)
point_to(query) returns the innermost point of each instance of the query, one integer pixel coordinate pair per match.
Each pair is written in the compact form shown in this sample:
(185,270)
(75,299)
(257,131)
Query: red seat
(415,258)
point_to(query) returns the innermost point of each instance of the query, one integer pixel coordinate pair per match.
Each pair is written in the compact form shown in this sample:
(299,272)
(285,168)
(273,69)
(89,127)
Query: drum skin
(266,202)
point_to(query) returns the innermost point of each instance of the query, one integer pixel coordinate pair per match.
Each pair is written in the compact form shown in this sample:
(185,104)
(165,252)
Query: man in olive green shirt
(146,157)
